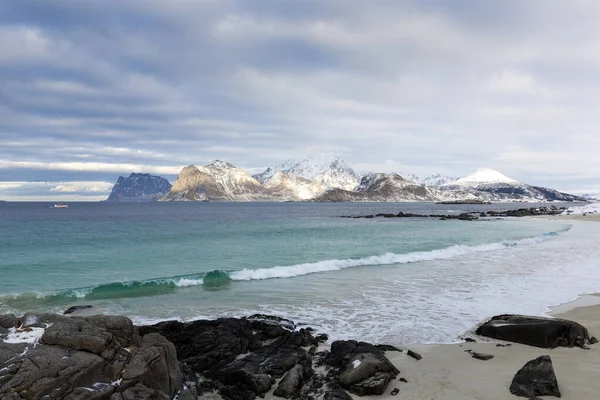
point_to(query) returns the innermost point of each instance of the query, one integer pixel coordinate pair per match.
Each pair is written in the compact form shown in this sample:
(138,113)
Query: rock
(470,340)
(373,385)
(386,347)
(241,357)
(535,331)
(291,383)
(403,380)
(367,371)
(414,355)
(335,392)
(322,338)
(76,357)
(593,340)
(481,356)
(8,321)
(140,392)
(395,391)
(536,378)
(155,366)
(71,310)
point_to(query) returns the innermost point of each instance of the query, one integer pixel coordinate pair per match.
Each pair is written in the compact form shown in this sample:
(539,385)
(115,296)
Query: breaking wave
(218,279)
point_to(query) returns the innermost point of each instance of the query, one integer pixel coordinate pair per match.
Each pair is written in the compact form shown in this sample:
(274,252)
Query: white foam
(356,363)
(384,259)
(24,335)
(184,282)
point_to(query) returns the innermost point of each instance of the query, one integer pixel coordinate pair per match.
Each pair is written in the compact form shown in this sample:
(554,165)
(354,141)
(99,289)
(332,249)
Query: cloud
(83,187)
(91,167)
(102,88)
(55,191)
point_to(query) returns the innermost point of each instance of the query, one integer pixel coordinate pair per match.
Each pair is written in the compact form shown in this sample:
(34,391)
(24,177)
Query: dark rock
(373,385)
(322,338)
(335,392)
(403,380)
(536,378)
(9,321)
(535,331)
(414,355)
(386,347)
(366,371)
(140,392)
(395,391)
(77,353)
(593,340)
(470,340)
(481,356)
(155,366)
(71,310)
(291,383)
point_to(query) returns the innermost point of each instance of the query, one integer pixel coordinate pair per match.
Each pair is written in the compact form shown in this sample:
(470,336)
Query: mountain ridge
(331,180)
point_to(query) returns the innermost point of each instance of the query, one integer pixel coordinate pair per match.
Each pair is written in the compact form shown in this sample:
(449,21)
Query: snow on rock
(483,176)
(328,172)
(436,180)
(593,208)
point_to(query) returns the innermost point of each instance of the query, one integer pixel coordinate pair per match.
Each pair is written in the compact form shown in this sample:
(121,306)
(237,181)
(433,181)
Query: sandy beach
(571,217)
(449,372)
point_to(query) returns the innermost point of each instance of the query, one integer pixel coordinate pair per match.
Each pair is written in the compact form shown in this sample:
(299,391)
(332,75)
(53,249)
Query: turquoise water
(189,260)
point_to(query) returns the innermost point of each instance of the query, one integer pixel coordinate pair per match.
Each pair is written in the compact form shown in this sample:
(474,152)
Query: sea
(384,280)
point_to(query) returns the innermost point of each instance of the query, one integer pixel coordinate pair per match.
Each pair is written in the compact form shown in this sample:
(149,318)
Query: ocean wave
(384,259)
(218,279)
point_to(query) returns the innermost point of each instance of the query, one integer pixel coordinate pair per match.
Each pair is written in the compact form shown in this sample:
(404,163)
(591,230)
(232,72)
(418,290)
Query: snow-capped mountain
(437,180)
(381,187)
(491,185)
(331,172)
(333,180)
(139,188)
(483,176)
(217,181)
(290,186)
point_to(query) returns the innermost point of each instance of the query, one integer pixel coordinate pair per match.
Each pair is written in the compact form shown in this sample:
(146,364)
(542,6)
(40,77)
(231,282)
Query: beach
(449,372)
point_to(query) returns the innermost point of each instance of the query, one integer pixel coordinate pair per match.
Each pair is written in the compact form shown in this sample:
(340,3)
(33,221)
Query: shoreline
(448,372)
(445,371)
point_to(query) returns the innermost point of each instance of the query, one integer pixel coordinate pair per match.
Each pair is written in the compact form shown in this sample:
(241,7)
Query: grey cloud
(425,86)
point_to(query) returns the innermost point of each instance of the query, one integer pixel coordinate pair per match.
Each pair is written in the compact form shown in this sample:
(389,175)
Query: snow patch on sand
(593,208)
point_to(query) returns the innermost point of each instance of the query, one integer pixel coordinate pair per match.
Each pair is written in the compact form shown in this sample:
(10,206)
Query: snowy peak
(484,176)
(328,172)
(437,180)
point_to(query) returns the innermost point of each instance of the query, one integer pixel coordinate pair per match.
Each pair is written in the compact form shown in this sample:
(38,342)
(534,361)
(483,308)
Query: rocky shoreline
(53,356)
(471,216)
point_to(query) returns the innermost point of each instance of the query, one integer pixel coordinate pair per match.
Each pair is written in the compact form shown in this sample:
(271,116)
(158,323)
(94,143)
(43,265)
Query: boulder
(367,371)
(155,366)
(58,357)
(541,332)
(140,392)
(291,383)
(71,310)
(536,378)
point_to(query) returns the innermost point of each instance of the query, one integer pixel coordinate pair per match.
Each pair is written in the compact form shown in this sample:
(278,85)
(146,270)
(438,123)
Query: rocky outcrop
(536,378)
(218,181)
(243,358)
(101,357)
(470,216)
(381,188)
(547,333)
(139,188)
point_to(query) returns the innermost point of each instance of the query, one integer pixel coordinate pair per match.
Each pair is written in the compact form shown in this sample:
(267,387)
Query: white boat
(60,205)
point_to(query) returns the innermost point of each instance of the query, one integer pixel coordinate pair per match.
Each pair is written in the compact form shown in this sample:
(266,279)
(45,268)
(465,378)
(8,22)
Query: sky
(90,90)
